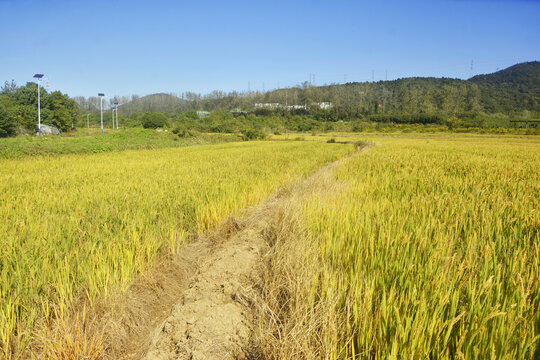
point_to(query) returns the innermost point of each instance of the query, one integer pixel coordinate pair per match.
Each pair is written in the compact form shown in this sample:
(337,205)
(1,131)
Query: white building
(272,106)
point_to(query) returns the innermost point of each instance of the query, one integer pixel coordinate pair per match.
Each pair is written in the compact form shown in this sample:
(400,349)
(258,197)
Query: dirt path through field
(213,317)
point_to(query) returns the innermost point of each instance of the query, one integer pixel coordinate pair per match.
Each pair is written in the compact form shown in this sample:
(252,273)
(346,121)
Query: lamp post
(112,113)
(88,120)
(38,77)
(116,109)
(101,95)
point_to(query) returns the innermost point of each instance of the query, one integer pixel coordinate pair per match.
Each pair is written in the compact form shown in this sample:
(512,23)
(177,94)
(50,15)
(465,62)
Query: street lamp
(38,77)
(101,95)
(112,113)
(116,109)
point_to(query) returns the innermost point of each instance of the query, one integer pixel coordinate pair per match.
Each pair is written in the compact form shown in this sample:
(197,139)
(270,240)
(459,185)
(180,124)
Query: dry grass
(292,321)
(72,337)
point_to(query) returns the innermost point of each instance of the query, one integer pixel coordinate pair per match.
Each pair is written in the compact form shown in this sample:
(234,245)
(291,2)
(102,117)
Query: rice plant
(80,226)
(432,249)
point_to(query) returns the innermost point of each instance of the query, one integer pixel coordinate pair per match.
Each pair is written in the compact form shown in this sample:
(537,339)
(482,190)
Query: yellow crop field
(431,249)
(82,225)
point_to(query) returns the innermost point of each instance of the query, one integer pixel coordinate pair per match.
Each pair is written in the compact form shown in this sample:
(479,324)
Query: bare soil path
(212,319)
(213,316)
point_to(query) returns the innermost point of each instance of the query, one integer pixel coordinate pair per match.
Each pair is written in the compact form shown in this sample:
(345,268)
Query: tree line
(482,101)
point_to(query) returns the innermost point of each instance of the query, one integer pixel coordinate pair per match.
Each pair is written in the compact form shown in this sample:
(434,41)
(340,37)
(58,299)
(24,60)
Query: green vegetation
(154,120)
(79,142)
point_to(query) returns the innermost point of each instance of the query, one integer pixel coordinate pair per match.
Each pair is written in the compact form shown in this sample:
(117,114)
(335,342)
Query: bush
(154,120)
(253,134)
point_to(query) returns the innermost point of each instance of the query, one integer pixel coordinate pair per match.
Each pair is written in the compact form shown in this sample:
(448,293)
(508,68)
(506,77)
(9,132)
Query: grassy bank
(91,142)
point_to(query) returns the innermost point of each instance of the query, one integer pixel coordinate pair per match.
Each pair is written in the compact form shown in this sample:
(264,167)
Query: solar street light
(101,95)
(116,109)
(38,77)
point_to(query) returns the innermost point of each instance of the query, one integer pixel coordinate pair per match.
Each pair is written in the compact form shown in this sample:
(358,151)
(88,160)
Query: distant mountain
(511,89)
(161,102)
(524,77)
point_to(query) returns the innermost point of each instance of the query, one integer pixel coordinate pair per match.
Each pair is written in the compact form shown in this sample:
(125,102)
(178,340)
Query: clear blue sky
(141,47)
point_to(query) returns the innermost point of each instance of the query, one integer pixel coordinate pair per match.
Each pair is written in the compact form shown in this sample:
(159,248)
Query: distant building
(203,114)
(49,130)
(272,106)
(296,107)
(324,105)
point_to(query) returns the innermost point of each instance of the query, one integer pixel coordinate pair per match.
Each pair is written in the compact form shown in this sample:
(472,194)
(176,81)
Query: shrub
(252,134)
(154,120)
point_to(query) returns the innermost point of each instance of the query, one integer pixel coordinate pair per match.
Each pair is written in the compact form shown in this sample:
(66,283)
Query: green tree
(25,116)
(62,110)
(8,126)
(61,118)
(27,95)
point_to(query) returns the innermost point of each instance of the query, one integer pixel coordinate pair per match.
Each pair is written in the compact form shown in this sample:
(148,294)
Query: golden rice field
(80,226)
(432,248)
(426,246)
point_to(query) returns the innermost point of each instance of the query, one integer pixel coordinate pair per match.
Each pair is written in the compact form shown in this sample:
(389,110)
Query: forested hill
(511,91)
(524,77)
